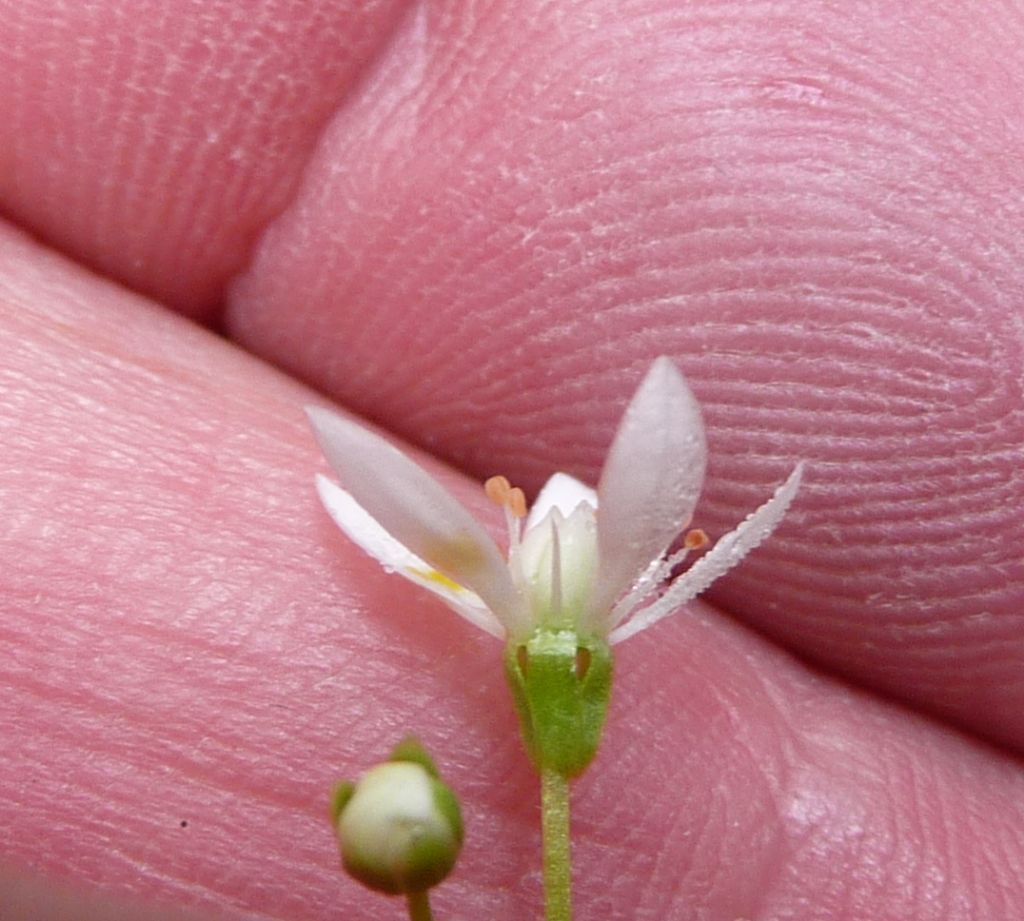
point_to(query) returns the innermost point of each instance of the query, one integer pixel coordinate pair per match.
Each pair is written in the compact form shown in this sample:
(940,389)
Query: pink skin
(818,213)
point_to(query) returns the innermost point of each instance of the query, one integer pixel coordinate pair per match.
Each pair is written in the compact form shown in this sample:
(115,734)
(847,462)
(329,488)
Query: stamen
(654,578)
(513,501)
(517,502)
(498,489)
(696,539)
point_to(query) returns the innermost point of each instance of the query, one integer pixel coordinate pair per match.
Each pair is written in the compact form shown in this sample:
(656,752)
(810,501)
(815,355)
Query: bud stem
(419,906)
(554,799)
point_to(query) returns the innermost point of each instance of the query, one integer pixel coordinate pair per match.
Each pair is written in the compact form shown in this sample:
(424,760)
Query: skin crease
(172,132)
(831,250)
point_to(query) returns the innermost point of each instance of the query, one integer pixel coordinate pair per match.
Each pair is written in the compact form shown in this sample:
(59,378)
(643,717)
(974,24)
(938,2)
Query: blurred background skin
(475,224)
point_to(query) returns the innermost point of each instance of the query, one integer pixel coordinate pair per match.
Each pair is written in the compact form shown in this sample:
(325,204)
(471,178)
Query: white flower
(596,563)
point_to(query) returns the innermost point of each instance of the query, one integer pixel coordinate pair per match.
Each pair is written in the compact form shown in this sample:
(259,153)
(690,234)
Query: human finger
(193,654)
(824,235)
(153,142)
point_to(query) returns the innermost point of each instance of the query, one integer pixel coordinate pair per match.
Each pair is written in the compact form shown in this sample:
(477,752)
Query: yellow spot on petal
(432,575)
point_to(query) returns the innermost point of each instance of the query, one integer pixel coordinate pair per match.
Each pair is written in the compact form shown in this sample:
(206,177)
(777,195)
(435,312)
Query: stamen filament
(646,585)
(655,576)
(513,503)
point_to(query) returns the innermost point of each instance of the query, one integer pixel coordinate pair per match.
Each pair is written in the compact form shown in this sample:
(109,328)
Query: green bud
(399,826)
(561,683)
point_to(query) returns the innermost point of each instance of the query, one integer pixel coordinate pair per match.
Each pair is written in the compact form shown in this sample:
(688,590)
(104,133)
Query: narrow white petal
(650,580)
(563,492)
(719,560)
(556,571)
(363,530)
(417,511)
(650,482)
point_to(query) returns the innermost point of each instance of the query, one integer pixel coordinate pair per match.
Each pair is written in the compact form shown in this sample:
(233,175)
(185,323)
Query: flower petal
(650,482)
(563,492)
(418,512)
(718,561)
(363,530)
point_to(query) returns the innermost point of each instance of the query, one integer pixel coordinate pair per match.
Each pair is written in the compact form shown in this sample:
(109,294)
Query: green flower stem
(419,906)
(554,799)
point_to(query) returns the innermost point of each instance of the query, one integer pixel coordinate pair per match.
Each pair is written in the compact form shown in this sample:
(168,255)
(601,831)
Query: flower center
(558,562)
(554,562)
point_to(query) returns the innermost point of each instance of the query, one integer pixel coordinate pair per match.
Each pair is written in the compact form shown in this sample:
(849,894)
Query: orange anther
(695,539)
(517,502)
(503,493)
(497,489)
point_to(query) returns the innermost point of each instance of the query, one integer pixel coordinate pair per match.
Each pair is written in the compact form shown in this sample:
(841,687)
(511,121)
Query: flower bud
(399,826)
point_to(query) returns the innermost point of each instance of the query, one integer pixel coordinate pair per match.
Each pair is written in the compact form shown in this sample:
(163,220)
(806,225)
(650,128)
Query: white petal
(563,492)
(652,579)
(555,575)
(650,482)
(556,566)
(364,531)
(418,512)
(717,561)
